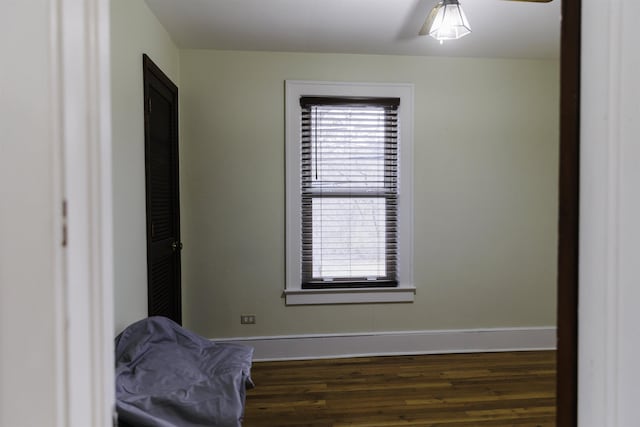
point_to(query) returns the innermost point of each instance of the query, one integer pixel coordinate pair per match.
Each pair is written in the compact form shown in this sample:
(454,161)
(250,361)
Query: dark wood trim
(569,202)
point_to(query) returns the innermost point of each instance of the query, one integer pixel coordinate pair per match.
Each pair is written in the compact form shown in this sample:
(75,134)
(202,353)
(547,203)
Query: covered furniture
(168,376)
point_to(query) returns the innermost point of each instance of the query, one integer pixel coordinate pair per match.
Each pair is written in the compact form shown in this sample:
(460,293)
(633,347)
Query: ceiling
(501,29)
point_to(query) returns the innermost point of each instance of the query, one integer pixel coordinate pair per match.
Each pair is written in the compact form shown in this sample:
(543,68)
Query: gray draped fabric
(167,376)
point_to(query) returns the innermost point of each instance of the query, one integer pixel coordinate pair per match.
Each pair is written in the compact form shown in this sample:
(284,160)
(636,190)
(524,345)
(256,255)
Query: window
(349,191)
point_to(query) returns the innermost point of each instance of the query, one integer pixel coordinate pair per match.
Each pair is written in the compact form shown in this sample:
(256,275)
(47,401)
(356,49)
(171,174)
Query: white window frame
(405,291)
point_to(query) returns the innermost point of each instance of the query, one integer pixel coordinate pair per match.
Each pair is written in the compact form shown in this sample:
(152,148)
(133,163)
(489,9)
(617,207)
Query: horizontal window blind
(349,192)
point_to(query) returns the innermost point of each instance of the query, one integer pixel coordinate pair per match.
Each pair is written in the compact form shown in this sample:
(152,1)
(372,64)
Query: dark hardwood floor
(454,390)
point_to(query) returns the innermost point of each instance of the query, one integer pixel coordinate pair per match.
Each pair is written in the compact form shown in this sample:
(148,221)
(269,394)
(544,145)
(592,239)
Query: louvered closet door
(163,216)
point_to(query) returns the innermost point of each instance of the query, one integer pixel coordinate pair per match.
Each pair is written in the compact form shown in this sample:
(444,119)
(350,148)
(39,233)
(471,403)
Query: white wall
(30,287)
(134,31)
(486,167)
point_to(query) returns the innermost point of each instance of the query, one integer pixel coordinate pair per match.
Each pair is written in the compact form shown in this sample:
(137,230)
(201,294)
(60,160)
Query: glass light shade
(447,21)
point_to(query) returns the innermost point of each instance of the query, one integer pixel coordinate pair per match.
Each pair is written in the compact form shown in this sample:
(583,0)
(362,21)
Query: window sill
(349,296)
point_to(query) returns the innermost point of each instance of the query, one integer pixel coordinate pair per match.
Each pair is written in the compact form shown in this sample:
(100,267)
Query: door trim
(81,91)
(568,221)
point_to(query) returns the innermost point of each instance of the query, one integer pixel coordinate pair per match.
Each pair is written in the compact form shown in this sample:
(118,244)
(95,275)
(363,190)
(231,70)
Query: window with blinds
(349,192)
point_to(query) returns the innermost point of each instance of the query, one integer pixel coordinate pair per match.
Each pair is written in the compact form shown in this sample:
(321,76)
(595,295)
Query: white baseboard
(297,347)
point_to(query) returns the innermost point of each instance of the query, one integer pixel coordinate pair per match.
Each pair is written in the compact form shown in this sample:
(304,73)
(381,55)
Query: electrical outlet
(247,319)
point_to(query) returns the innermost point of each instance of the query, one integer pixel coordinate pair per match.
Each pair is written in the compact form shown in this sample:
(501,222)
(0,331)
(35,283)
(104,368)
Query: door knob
(176,245)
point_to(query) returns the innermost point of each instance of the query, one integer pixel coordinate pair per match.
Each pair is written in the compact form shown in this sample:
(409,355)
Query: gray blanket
(167,376)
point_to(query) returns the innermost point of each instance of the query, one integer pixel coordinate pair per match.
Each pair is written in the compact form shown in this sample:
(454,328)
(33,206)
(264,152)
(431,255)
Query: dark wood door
(162,197)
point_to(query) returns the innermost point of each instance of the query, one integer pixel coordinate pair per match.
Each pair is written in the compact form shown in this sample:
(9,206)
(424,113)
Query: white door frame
(608,342)
(80,58)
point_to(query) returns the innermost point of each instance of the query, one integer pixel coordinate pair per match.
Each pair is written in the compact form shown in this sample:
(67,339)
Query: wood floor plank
(458,390)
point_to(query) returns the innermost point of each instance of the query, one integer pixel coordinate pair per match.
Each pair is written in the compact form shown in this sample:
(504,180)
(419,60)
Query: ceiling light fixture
(446,21)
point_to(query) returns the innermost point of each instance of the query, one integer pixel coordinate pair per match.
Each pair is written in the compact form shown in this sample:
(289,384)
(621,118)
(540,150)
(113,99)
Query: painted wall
(30,283)
(134,31)
(486,161)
